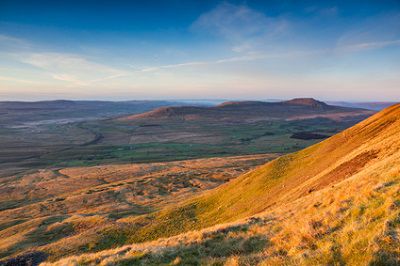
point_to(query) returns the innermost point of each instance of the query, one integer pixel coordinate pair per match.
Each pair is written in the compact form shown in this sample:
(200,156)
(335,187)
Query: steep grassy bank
(283,180)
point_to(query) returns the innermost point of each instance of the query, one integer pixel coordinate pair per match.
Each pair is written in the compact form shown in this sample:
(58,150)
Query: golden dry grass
(356,223)
(49,205)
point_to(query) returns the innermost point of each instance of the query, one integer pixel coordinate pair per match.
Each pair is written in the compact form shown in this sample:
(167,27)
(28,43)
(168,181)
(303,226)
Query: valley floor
(45,206)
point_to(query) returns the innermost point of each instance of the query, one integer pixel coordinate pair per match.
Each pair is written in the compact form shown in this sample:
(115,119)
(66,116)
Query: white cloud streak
(70,68)
(243,27)
(373,33)
(368,45)
(10,41)
(244,58)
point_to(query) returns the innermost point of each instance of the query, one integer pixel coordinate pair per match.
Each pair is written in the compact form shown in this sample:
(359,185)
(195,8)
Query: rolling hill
(334,203)
(36,135)
(300,108)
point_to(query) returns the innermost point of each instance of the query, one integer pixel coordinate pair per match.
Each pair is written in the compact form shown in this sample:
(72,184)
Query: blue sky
(126,50)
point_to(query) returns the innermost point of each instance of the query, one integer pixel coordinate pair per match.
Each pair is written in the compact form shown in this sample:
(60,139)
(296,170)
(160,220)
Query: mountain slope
(301,108)
(287,178)
(333,203)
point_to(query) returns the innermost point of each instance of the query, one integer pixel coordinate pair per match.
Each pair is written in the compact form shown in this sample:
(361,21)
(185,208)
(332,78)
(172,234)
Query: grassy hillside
(48,205)
(334,203)
(283,180)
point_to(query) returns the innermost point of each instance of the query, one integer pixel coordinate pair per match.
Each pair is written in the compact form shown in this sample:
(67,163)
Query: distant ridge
(377,106)
(295,101)
(299,108)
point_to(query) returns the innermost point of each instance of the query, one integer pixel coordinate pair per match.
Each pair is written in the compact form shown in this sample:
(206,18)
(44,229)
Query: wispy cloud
(288,55)
(69,78)
(249,57)
(186,64)
(369,45)
(242,26)
(373,33)
(18,80)
(70,68)
(322,12)
(10,40)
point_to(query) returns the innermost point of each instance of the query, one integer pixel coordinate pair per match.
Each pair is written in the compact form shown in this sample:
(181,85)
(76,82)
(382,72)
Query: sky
(244,50)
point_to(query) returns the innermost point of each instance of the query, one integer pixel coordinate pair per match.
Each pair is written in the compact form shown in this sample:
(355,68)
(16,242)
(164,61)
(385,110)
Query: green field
(35,135)
(109,141)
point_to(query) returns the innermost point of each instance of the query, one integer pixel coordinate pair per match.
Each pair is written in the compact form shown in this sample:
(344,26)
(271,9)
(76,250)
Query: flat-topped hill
(300,108)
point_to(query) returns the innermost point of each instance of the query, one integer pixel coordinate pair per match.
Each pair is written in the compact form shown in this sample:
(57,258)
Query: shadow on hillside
(28,259)
(37,237)
(217,249)
(389,243)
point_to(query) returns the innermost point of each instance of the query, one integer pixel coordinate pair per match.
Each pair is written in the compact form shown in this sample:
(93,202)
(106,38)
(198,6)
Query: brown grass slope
(283,180)
(300,108)
(50,205)
(335,203)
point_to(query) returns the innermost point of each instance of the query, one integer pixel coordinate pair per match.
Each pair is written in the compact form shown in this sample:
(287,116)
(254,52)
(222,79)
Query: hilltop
(307,102)
(300,108)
